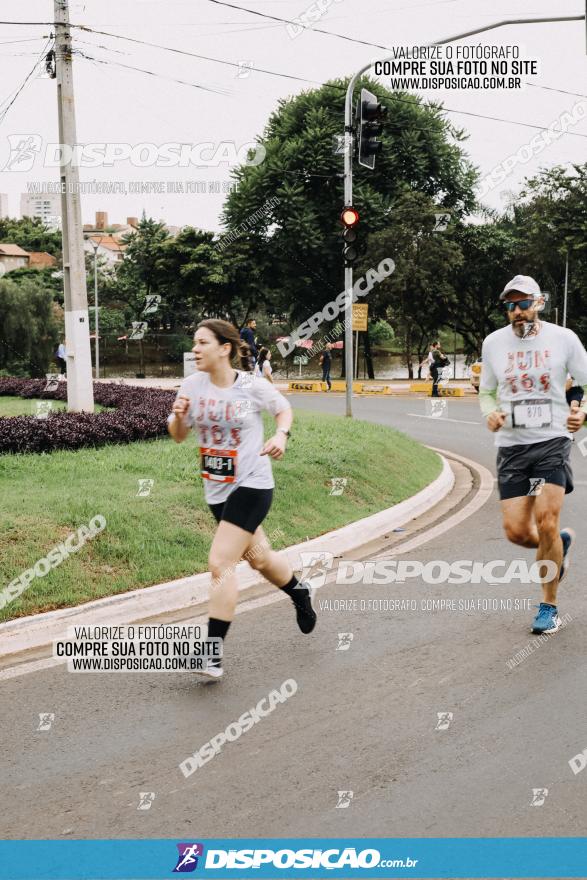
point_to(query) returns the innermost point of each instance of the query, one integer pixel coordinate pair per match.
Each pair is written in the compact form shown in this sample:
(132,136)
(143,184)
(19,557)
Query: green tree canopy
(29,332)
(296,193)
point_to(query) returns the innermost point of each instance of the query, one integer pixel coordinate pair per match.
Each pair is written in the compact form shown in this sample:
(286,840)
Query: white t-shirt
(530,376)
(265,372)
(230,431)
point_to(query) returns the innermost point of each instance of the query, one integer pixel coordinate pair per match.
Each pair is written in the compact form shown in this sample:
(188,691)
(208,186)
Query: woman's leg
(276,568)
(229,544)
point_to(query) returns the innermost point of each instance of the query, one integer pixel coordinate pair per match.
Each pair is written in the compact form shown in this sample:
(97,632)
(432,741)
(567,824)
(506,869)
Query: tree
(31,234)
(550,223)
(137,275)
(418,298)
(490,258)
(296,194)
(29,331)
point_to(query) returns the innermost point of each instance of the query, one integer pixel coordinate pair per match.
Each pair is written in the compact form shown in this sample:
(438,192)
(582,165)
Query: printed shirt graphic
(533,369)
(229,420)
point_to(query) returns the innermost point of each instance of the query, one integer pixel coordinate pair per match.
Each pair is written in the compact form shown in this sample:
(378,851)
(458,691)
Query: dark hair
(250,320)
(263,352)
(226,332)
(436,342)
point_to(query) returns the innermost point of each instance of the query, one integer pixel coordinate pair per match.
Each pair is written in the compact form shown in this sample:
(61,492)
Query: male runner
(522,395)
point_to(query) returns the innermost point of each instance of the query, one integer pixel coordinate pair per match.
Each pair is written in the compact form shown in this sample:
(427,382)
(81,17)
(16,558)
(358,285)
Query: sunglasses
(522,303)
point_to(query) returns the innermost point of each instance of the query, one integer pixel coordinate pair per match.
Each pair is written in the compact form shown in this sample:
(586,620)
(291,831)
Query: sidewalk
(398,386)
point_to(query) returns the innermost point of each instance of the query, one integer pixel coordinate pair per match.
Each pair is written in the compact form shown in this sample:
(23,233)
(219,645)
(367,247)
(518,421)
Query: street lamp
(96,245)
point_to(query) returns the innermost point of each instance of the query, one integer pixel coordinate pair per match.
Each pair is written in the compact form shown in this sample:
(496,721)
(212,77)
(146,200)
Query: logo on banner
(188,857)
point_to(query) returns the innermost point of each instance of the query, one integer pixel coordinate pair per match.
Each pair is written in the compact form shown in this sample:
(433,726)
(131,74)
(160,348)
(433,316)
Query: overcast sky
(115,104)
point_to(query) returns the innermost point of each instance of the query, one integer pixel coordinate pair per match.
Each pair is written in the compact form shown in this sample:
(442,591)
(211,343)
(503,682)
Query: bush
(141,414)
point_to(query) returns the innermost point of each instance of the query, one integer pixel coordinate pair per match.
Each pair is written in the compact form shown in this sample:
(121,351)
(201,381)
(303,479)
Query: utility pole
(348,168)
(80,393)
(566,291)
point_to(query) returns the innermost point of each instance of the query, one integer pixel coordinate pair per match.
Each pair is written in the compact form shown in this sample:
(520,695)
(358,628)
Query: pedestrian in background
(247,334)
(263,367)
(326,363)
(60,358)
(439,361)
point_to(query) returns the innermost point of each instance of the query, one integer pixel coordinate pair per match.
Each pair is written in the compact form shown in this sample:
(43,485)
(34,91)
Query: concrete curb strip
(37,631)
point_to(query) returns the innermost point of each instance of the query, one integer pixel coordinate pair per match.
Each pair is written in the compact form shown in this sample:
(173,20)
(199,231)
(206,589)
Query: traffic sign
(360,313)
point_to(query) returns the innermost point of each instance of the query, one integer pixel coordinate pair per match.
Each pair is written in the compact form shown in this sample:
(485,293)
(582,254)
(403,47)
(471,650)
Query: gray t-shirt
(230,431)
(529,376)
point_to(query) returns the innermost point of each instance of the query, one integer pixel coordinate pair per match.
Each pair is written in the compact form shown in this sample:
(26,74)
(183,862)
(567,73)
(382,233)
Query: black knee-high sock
(295,590)
(217,629)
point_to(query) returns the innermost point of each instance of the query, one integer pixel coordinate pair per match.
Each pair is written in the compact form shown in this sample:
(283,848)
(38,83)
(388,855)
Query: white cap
(522,284)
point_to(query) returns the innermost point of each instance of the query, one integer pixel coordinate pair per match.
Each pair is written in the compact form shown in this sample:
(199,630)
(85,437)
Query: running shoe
(567,537)
(211,670)
(547,619)
(305,614)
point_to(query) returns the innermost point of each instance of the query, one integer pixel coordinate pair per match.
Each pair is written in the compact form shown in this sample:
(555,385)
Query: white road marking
(442,419)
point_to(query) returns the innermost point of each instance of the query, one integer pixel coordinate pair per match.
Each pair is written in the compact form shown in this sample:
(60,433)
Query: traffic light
(370,113)
(350,220)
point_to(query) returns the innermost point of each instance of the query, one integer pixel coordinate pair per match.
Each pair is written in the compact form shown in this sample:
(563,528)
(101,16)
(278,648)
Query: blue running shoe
(547,619)
(567,537)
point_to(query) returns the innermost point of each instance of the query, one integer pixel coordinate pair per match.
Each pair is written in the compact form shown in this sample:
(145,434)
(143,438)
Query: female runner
(225,407)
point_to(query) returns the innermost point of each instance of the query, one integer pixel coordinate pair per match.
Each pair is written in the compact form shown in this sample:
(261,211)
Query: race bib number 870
(532,414)
(218,464)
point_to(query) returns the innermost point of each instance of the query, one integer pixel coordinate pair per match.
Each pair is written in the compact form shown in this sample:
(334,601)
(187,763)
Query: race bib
(218,464)
(532,414)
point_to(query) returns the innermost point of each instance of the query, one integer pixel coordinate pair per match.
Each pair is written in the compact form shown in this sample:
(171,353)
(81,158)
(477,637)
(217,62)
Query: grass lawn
(18,406)
(166,535)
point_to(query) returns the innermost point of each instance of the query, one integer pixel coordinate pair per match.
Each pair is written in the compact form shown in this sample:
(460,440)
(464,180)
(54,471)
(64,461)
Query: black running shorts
(245,508)
(521,469)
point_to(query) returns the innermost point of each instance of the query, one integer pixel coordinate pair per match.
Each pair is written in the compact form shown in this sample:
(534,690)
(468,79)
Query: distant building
(41,260)
(108,247)
(12,257)
(45,206)
(116,230)
(3,206)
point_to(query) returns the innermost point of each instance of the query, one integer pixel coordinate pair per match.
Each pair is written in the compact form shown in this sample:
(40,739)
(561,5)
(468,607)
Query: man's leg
(547,513)
(518,520)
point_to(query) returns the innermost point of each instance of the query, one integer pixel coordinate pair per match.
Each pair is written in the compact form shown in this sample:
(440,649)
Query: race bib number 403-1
(218,464)
(532,414)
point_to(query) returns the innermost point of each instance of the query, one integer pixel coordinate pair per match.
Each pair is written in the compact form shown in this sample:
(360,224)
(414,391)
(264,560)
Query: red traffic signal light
(349,217)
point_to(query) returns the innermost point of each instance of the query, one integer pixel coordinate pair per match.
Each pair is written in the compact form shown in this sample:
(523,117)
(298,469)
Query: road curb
(40,630)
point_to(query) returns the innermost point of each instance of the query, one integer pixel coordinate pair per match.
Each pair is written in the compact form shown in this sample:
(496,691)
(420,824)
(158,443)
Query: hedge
(141,414)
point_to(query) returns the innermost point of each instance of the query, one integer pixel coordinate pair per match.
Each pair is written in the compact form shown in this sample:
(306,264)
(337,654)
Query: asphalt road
(363,720)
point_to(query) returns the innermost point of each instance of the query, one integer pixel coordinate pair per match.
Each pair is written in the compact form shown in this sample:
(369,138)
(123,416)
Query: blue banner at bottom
(293,857)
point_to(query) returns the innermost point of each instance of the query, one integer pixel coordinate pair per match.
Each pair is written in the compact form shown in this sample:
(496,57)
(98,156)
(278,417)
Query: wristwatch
(285,431)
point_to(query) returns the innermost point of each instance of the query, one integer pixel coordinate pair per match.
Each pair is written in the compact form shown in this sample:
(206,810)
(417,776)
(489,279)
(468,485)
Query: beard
(523,329)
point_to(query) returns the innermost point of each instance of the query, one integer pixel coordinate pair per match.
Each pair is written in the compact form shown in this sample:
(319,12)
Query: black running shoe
(305,614)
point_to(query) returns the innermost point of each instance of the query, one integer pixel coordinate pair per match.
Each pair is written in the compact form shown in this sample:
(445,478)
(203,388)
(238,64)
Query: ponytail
(227,333)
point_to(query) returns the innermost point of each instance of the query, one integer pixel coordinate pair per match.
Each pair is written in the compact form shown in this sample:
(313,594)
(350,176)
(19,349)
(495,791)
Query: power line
(153,73)
(192,54)
(305,27)
(551,89)
(27,78)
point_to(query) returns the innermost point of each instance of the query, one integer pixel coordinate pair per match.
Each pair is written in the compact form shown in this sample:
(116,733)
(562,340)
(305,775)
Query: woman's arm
(276,445)
(176,424)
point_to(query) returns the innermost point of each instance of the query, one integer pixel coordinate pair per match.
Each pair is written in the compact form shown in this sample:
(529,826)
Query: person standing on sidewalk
(263,368)
(248,335)
(439,362)
(326,363)
(522,396)
(225,406)
(60,358)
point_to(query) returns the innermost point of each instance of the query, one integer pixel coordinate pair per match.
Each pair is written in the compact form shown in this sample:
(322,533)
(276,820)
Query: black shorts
(521,469)
(245,508)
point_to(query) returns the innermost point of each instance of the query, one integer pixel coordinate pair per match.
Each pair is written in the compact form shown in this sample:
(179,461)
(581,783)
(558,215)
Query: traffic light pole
(348,174)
